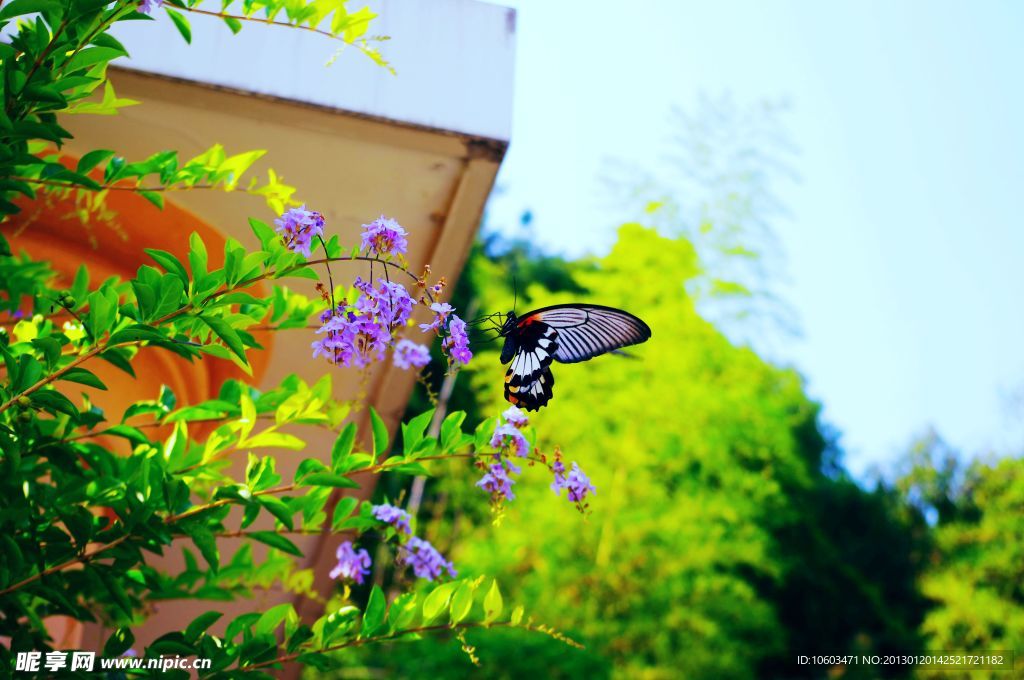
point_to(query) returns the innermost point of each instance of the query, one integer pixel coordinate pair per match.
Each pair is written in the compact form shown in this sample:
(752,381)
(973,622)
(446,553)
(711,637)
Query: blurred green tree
(974,574)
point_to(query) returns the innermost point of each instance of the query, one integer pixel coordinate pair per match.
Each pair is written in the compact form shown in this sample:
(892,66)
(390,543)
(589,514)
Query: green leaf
(197,257)
(169,262)
(50,349)
(451,430)
(328,479)
(181,23)
(89,57)
(91,159)
(517,616)
(101,313)
(373,617)
(273,617)
(279,509)
(80,287)
(18,7)
(54,401)
(275,540)
(462,602)
(380,433)
(83,377)
(223,330)
(200,624)
(436,603)
(414,431)
(154,197)
(343,509)
(119,357)
(118,643)
(343,446)
(493,603)
(403,611)
(137,333)
(207,544)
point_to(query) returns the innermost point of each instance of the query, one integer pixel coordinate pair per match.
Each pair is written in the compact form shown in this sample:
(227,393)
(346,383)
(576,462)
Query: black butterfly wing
(528,380)
(585,331)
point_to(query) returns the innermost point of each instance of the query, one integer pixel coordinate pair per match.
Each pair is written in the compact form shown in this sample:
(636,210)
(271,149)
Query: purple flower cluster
(426,561)
(384,237)
(497,481)
(390,302)
(352,564)
(577,483)
(408,354)
(298,226)
(361,334)
(507,439)
(456,345)
(352,339)
(507,436)
(396,517)
(455,339)
(149,6)
(441,311)
(515,417)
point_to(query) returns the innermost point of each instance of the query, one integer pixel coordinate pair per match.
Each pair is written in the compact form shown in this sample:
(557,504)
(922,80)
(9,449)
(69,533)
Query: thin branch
(84,557)
(265,22)
(196,509)
(43,382)
(383,638)
(42,57)
(187,308)
(330,279)
(117,186)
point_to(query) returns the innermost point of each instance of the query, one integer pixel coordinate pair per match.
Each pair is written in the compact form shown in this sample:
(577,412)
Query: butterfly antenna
(482,319)
(515,293)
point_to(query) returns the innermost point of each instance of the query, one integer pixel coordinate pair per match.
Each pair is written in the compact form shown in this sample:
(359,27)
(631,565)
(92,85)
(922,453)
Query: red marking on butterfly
(569,334)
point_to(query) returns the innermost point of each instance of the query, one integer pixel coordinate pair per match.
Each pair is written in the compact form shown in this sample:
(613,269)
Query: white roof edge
(454,59)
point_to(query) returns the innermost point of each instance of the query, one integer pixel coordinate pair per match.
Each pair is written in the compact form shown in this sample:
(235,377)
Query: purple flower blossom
(441,311)
(148,6)
(396,517)
(577,483)
(394,304)
(352,339)
(558,469)
(509,438)
(390,302)
(384,237)
(456,345)
(408,354)
(497,482)
(298,226)
(426,561)
(515,417)
(351,564)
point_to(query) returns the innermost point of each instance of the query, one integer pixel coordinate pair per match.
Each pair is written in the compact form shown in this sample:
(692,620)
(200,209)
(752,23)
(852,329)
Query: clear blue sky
(905,242)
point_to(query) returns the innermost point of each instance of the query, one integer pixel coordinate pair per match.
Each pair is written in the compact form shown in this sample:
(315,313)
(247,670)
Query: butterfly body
(568,334)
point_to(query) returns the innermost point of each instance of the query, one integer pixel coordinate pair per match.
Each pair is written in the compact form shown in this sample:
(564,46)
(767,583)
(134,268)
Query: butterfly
(569,334)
